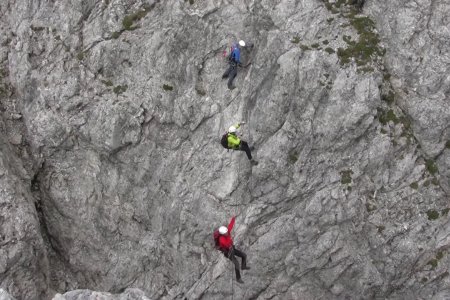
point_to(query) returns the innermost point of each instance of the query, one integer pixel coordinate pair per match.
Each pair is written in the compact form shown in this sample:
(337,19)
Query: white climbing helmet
(232,129)
(223,230)
(241,43)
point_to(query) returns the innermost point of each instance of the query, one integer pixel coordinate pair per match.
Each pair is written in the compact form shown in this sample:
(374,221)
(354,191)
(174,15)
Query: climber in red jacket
(225,244)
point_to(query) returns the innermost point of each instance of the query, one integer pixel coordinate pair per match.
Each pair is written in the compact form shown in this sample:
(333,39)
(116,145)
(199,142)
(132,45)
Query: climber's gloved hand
(241,123)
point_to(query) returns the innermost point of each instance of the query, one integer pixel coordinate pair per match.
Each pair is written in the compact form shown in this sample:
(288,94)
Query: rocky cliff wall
(114,110)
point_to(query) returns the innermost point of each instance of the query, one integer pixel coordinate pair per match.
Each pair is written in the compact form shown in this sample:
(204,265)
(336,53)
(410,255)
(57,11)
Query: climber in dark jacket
(234,62)
(229,250)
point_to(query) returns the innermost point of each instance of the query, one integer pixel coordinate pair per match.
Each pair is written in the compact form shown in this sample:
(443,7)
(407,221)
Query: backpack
(227,54)
(224,141)
(216,236)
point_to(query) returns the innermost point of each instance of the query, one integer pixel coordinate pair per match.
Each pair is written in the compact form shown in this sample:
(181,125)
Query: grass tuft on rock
(346,176)
(389,98)
(120,89)
(433,263)
(115,35)
(329,50)
(432,214)
(295,40)
(80,55)
(370,207)
(107,82)
(129,20)
(167,87)
(304,47)
(293,156)
(414,185)
(387,116)
(366,48)
(431,166)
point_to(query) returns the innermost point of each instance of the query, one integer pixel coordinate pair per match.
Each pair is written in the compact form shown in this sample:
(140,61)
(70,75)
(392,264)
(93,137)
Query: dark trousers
(243,146)
(231,255)
(231,73)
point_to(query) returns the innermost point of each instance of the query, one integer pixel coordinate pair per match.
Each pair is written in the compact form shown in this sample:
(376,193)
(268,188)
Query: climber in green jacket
(235,143)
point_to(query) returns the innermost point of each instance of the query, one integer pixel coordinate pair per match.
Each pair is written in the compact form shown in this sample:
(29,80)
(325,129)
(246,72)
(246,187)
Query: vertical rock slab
(23,262)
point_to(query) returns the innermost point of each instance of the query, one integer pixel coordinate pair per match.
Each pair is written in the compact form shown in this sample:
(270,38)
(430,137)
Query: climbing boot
(239,280)
(254,162)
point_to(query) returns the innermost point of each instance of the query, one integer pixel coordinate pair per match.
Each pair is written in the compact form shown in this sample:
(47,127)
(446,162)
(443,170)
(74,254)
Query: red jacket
(225,241)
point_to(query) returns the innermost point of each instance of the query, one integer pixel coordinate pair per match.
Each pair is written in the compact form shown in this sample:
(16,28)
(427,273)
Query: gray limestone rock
(128,294)
(112,111)
(24,267)
(5,296)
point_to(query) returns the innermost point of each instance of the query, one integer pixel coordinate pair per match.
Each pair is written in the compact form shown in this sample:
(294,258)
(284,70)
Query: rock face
(129,294)
(5,296)
(112,113)
(24,267)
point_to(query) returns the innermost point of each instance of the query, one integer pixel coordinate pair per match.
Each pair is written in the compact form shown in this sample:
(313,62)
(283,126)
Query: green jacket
(233,140)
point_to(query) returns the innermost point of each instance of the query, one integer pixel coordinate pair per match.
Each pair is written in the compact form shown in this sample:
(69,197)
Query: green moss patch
(115,35)
(293,156)
(435,261)
(414,185)
(445,211)
(447,145)
(295,40)
(389,97)
(129,20)
(329,50)
(370,207)
(346,176)
(37,28)
(387,116)
(366,47)
(80,55)
(107,82)
(120,89)
(167,87)
(432,214)
(304,47)
(431,166)
(200,90)
(380,228)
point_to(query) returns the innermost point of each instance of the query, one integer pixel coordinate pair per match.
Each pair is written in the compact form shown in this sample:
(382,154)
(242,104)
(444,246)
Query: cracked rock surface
(112,177)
